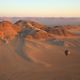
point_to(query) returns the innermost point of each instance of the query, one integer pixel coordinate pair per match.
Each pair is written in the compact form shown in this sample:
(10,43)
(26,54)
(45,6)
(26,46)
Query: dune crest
(31,29)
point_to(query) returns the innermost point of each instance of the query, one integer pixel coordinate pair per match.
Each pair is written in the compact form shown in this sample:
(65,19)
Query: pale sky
(40,8)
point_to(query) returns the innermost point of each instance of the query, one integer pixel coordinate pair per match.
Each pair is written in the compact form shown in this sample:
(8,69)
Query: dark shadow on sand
(20,51)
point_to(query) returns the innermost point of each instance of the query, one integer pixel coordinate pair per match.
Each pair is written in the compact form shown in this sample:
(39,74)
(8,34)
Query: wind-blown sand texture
(30,58)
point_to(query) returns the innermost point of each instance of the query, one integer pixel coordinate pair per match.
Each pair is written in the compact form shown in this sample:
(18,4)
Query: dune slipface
(37,52)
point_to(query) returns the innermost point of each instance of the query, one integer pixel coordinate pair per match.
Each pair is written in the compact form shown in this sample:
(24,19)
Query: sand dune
(8,31)
(33,58)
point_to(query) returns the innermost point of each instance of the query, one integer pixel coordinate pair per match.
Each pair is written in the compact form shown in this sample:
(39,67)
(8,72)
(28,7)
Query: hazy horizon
(40,8)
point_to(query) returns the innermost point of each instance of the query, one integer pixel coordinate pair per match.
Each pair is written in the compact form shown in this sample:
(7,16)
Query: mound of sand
(35,24)
(38,60)
(7,31)
(29,24)
(72,27)
(60,32)
(27,56)
(40,35)
(30,29)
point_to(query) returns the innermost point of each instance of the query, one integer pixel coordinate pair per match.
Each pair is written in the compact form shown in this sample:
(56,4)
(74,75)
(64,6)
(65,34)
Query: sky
(40,8)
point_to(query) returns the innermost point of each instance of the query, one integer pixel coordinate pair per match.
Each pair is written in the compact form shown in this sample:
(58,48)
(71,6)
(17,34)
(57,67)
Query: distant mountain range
(50,21)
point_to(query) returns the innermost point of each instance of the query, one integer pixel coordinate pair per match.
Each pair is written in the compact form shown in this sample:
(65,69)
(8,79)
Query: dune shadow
(20,51)
(56,42)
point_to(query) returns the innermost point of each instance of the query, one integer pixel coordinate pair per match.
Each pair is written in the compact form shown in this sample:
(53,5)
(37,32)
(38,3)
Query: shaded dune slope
(36,50)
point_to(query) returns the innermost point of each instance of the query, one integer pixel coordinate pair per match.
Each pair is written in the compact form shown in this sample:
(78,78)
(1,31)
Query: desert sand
(39,58)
